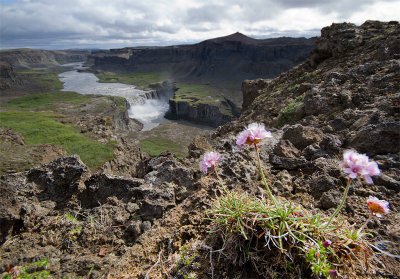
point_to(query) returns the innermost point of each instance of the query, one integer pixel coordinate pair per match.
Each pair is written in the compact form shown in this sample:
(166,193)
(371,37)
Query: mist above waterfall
(150,112)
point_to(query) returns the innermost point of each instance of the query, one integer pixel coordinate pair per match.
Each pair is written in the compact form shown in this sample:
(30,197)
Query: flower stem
(341,204)
(263,177)
(366,222)
(219,179)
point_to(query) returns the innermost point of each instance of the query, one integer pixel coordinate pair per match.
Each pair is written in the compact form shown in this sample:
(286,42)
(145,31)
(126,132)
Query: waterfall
(146,106)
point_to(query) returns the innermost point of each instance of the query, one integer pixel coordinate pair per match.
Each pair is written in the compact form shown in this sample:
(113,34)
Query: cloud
(119,23)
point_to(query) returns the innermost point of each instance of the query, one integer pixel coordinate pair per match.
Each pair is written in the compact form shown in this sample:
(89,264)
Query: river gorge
(146,106)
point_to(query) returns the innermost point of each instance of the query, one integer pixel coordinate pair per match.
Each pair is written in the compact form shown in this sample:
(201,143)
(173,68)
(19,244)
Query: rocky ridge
(36,58)
(141,226)
(8,78)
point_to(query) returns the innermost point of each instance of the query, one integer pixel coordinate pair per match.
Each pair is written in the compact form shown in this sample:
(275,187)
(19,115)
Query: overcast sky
(62,24)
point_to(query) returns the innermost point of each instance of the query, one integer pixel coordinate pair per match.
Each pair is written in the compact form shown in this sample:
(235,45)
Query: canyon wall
(199,113)
(229,59)
(8,78)
(36,58)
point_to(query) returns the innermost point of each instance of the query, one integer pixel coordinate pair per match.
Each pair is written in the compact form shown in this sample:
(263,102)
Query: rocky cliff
(200,113)
(35,58)
(8,78)
(153,225)
(229,59)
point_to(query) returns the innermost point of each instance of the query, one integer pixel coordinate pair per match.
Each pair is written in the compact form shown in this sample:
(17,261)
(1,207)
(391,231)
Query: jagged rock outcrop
(345,96)
(73,208)
(251,89)
(8,78)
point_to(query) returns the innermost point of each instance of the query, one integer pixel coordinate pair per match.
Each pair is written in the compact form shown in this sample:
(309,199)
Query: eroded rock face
(201,113)
(8,78)
(251,89)
(26,58)
(100,211)
(232,58)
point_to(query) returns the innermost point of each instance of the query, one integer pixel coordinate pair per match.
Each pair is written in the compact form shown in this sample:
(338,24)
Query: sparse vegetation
(288,113)
(42,128)
(47,79)
(37,270)
(196,94)
(119,101)
(46,100)
(155,146)
(142,80)
(260,223)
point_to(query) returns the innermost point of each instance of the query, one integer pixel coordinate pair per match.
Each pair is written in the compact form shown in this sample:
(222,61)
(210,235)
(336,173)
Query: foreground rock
(59,210)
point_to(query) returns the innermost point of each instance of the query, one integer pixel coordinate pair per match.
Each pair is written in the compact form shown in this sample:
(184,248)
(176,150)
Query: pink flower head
(355,165)
(253,134)
(326,243)
(377,206)
(210,159)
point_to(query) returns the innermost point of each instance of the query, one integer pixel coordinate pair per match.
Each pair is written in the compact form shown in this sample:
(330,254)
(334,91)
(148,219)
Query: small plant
(288,113)
(71,217)
(35,270)
(186,263)
(324,242)
(75,231)
(185,259)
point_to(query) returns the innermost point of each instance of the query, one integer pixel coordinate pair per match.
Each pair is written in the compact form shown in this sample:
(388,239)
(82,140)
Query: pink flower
(377,206)
(326,243)
(355,164)
(210,159)
(253,134)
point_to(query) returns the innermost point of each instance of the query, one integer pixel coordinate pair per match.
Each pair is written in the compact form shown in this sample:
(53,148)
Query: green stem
(341,204)
(366,222)
(263,177)
(219,179)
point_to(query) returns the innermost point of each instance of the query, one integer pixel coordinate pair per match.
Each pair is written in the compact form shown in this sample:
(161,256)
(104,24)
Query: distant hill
(25,58)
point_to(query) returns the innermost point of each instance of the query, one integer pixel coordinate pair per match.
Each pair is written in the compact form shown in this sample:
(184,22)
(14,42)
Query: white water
(150,112)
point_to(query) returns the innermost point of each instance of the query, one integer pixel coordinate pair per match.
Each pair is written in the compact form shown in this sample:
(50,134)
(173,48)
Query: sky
(66,24)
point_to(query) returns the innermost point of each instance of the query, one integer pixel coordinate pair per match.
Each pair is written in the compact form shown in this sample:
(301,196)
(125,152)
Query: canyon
(222,63)
(224,60)
(147,217)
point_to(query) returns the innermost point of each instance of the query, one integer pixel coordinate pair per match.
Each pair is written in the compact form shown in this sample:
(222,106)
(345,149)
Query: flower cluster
(210,160)
(234,210)
(377,206)
(253,134)
(355,164)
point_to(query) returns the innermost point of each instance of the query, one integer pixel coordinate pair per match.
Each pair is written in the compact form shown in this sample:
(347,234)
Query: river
(150,112)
